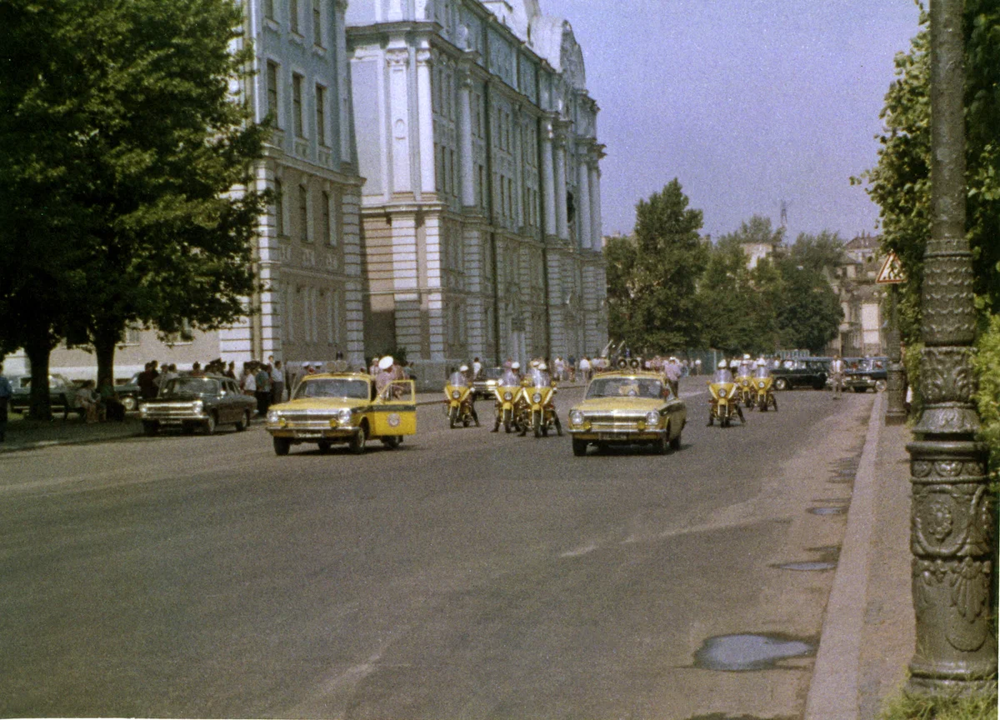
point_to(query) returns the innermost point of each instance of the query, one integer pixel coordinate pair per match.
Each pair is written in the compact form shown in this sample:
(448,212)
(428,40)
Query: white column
(562,225)
(465,138)
(398,60)
(583,202)
(548,179)
(595,206)
(425,123)
(343,91)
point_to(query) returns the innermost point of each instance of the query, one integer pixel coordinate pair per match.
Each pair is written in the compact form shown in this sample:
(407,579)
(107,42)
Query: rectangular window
(293,15)
(304,213)
(269,9)
(272,92)
(321,115)
(325,210)
(297,105)
(317,24)
(279,208)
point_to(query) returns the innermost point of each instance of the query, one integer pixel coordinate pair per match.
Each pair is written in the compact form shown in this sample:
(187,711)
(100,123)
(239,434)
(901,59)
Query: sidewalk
(868,632)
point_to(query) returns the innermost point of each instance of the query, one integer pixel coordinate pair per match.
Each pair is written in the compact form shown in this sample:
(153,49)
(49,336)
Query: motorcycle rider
(464,370)
(724,375)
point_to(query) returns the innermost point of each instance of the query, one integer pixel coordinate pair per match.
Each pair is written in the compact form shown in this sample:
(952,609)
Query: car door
(394,411)
(231,402)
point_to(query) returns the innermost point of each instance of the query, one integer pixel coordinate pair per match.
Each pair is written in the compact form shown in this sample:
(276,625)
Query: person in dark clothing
(147,381)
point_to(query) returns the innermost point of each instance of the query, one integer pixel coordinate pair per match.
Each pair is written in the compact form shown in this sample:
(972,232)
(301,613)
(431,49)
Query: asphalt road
(464,575)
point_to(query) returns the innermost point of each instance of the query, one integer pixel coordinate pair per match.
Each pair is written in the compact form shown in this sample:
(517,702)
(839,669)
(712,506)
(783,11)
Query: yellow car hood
(319,404)
(610,404)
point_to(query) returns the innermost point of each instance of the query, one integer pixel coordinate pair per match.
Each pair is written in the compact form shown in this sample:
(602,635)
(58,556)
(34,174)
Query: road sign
(891,272)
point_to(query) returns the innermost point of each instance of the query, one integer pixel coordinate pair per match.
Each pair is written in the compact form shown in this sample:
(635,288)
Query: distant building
(860,331)
(480,212)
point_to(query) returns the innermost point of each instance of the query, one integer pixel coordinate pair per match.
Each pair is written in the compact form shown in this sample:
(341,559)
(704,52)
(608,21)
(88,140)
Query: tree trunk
(106,337)
(38,347)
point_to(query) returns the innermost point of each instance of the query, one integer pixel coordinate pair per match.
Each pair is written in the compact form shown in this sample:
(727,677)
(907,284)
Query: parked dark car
(483,385)
(62,394)
(801,372)
(129,393)
(870,374)
(191,401)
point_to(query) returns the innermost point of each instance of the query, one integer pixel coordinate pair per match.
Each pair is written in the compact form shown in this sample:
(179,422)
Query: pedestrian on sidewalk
(5,392)
(837,373)
(277,383)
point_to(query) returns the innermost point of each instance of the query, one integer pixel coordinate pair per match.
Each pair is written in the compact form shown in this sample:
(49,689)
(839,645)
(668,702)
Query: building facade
(860,298)
(481,222)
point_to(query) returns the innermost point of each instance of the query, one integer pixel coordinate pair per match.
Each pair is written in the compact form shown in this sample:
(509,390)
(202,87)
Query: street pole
(895,413)
(953,513)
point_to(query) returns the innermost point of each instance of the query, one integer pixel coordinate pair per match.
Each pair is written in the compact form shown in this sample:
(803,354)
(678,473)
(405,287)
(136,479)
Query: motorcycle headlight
(761,385)
(536,398)
(344,417)
(508,396)
(455,394)
(652,418)
(576,417)
(199,406)
(273,417)
(722,393)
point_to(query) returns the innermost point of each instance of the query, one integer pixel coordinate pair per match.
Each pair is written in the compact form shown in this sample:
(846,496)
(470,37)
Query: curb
(833,692)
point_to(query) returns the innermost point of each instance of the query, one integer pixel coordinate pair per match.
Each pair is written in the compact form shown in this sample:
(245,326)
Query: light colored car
(197,401)
(330,408)
(628,407)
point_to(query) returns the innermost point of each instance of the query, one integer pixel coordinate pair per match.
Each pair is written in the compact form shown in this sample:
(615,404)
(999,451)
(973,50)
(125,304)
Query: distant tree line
(126,195)
(670,289)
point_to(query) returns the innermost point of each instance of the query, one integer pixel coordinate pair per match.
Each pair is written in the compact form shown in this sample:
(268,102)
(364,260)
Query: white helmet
(515,365)
(464,368)
(722,364)
(543,366)
(746,356)
(385,363)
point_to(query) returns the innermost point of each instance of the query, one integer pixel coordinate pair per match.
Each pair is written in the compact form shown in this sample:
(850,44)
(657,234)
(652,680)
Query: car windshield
(492,373)
(722,375)
(191,385)
(762,372)
(625,387)
(458,379)
(332,388)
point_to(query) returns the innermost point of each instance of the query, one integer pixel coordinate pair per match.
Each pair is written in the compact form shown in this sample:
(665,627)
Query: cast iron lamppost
(952,519)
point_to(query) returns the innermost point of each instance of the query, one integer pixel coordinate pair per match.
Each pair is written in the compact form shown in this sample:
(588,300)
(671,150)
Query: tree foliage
(652,275)
(900,182)
(128,193)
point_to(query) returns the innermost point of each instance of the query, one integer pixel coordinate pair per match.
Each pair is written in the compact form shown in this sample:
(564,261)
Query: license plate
(607,436)
(312,434)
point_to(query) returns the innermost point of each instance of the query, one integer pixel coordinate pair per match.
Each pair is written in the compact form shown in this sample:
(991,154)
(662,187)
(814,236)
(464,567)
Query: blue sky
(746,102)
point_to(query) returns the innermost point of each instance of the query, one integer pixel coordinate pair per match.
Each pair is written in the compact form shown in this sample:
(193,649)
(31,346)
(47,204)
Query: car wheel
(244,422)
(859,389)
(661,444)
(391,442)
(675,443)
(210,423)
(282,446)
(579,447)
(357,443)
(324,446)
(781,384)
(129,403)
(150,427)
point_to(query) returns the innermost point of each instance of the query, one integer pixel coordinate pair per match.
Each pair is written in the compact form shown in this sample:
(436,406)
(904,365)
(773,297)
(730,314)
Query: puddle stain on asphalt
(749,652)
(828,510)
(807,566)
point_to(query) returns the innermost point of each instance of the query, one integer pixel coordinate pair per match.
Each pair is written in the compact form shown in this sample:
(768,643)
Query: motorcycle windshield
(744,371)
(539,379)
(762,372)
(457,379)
(722,376)
(510,379)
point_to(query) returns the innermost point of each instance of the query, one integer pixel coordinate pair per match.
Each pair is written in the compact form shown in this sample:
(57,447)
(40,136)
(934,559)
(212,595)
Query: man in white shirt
(837,373)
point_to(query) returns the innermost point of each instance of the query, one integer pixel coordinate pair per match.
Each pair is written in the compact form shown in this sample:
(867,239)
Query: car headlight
(761,385)
(536,398)
(652,418)
(199,406)
(722,393)
(508,396)
(455,394)
(273,417)
(344,417)
(576,417)
(143,411)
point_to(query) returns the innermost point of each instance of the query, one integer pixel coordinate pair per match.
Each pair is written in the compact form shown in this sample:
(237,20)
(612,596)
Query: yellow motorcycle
(763,383)
(539,410)
(506,394)
(725,399)
(744,379)
(459,397)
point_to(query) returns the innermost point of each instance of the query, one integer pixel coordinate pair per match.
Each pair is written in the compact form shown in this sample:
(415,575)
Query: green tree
(653,275)
(157,151)
(900,182)
(809,313)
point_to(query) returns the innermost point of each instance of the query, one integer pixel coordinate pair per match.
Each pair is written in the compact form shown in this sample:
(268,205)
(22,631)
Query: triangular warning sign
(891,272)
